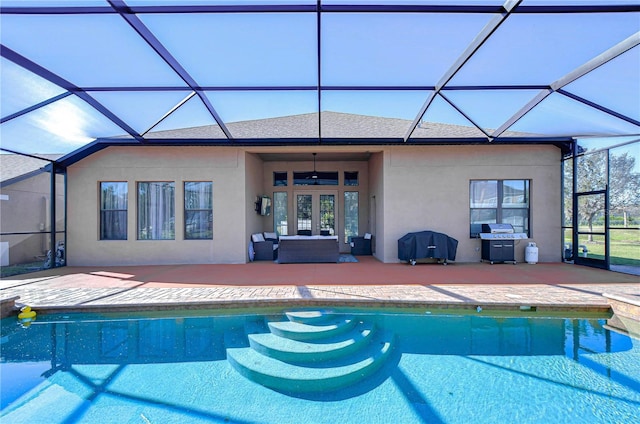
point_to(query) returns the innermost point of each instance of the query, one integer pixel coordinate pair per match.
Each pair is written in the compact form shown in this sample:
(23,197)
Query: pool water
(346,366)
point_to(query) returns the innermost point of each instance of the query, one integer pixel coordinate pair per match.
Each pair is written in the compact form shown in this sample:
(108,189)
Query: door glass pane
(591,210)
(328,213)
(303,212)
(280,224)
(350,215)
(592,172)
(567,193)
(591,246)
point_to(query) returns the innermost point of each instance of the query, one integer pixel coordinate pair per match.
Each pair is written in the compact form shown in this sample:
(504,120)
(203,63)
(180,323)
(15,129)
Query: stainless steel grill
(498,242)
(500,232)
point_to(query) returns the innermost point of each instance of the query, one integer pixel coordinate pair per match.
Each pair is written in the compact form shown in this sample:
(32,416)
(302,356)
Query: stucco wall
(427,188)
(376,198)
(223,166)
(255,223)
(402,189)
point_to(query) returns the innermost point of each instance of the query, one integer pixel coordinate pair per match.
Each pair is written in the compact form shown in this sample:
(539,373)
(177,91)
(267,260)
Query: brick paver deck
(544,286)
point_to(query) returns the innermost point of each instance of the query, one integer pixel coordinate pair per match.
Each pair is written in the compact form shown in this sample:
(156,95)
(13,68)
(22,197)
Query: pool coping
(540,309)
(8,306)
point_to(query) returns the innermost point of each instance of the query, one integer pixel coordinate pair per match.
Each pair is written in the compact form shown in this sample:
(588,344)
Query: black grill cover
(427,244)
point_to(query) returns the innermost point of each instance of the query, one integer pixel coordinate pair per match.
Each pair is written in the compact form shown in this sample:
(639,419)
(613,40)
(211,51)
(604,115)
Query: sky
(410,52)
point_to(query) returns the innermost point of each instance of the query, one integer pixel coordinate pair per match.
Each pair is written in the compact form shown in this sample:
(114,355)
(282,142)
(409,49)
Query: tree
(624,186)
(591,176)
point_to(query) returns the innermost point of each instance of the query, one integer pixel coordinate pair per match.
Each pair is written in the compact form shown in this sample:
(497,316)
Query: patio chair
(265,248)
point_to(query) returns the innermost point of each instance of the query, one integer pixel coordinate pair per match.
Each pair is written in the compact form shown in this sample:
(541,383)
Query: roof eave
(564,143)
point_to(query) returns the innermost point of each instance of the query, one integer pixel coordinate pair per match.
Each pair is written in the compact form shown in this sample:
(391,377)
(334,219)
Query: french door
(317,212)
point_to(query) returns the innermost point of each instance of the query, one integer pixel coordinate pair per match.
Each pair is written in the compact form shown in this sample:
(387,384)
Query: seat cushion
(270,236)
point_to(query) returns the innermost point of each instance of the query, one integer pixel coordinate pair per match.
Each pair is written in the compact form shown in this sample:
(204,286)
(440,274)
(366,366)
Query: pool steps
(301,331)
(310,352)
(308,317)
(299,351)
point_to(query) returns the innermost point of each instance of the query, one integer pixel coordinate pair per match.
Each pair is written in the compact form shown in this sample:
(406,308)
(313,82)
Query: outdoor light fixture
(314,175)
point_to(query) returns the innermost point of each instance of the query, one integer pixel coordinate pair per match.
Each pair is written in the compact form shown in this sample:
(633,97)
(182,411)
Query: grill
(498,242)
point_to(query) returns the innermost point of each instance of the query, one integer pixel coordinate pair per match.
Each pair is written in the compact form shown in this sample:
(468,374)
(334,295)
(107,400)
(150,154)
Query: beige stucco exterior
(401,189)
(225,167)
(427,188)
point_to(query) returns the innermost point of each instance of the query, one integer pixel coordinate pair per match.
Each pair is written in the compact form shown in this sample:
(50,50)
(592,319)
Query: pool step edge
(290,377)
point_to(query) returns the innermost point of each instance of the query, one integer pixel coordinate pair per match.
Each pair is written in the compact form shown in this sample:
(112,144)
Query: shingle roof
(334,125)
(13,166)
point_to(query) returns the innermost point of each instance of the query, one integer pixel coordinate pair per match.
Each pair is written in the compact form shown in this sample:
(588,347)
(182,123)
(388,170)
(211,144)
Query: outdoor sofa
(308,249)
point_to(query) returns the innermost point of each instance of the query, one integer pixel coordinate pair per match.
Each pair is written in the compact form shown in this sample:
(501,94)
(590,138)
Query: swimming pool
(318,366)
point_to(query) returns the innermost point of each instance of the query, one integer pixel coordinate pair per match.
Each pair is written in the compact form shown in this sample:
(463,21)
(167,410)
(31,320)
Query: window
(156,211)
(350,215)
(198,210)
(499,201)
(351,178)
(280,217)
(279,179)
(113,211)
(315,178)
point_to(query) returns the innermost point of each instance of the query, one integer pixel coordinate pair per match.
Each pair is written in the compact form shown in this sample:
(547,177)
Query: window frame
(104,211)
(278,181)
(276,209)
(186,210)
(500,207)
(351,202)
(351,179)
(323,178)
(172,217)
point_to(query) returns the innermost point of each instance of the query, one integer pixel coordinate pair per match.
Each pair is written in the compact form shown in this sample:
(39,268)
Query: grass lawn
(10,270)
(624,245)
